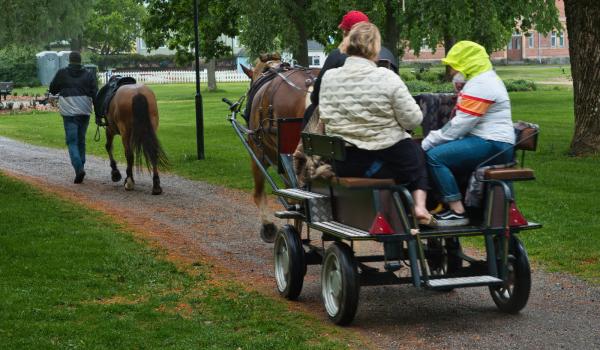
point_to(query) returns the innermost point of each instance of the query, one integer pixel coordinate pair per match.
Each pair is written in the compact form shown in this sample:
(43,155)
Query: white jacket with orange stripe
(482,109)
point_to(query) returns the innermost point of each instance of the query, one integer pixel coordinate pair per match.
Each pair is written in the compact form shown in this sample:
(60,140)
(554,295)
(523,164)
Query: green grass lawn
(71,278)
(563,198)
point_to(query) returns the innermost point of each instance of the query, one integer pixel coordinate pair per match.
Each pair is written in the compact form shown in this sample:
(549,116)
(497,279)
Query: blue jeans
(463,156)
(75,130)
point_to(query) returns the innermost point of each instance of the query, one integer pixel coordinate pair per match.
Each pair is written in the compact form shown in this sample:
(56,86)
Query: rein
(288,81)
(97,135)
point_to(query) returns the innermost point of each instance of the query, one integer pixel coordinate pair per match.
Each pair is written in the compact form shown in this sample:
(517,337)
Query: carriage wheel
(289,262)
(442,260)
(340,284)
(513,295)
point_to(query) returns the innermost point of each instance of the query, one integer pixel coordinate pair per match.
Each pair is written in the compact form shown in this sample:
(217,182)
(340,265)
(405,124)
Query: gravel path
(196,221)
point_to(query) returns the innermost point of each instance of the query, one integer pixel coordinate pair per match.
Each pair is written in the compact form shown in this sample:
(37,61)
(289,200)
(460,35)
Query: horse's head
(264,62)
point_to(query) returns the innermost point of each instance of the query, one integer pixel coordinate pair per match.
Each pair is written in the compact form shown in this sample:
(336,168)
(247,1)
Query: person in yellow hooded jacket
(481,129)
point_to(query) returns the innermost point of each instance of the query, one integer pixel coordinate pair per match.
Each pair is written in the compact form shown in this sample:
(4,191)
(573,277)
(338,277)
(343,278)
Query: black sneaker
(79,177)
(451,218)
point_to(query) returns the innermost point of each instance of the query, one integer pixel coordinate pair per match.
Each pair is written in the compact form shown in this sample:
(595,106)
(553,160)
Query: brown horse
(133,114)
(285,96)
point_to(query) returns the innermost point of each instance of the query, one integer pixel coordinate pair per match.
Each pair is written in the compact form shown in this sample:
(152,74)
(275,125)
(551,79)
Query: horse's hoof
(268,232)
(116,176)
(156,190)
(129,184)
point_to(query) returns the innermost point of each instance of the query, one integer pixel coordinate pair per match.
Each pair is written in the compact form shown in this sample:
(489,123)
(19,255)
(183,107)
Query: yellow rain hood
(469,58)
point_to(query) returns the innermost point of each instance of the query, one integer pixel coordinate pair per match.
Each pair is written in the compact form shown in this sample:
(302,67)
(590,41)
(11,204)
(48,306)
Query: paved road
(196,219)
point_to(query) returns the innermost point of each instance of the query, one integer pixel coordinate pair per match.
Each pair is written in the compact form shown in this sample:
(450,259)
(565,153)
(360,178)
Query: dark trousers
(403,161)
(75,130)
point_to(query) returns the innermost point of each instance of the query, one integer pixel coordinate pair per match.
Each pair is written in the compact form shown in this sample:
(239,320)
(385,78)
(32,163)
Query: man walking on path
(77,88)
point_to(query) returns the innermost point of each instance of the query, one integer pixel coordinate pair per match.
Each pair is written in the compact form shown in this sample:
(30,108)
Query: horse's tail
(144,141)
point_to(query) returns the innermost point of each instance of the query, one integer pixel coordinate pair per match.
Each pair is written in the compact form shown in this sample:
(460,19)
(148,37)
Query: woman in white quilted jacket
(372,110)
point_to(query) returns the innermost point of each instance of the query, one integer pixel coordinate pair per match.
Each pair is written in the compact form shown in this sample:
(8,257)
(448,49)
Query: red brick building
(523,47)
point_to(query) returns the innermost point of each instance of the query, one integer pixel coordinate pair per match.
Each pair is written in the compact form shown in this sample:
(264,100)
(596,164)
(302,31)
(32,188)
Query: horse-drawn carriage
(329,218)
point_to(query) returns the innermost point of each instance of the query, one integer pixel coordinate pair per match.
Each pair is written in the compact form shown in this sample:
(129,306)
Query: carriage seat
(509,174)
(334,148)
(362,182)
(526,140)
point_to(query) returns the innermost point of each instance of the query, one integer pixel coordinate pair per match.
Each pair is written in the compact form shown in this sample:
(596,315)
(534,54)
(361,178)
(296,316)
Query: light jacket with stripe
(76,87)
(482,109)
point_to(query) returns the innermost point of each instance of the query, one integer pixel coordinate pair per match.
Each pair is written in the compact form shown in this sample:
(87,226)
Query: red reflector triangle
(515,218)
(380,226)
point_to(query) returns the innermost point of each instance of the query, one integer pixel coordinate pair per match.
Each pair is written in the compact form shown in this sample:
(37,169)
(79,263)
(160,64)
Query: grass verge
(73,279)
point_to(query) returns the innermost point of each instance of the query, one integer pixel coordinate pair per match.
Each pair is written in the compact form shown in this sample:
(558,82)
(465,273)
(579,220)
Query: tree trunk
(300,50)
(583,25)
(391,33)
(449,41)
(76,43)
(211,77)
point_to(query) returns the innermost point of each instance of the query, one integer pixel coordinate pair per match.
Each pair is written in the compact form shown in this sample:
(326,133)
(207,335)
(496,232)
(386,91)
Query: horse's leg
(156,189)
(268,229)
(114,173)
(129,183)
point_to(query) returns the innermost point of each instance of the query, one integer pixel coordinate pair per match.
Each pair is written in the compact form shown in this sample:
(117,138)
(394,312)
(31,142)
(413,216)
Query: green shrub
(18,64)
(419,86)
(520,85)
(430,76)
(407,76)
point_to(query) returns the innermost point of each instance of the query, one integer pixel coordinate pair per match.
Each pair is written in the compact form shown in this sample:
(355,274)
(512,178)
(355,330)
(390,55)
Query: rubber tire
(347,302)
(287,237)
(518,259)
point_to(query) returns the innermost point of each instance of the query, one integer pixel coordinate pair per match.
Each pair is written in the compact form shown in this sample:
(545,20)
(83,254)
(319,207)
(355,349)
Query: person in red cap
(337,59)
(350,19)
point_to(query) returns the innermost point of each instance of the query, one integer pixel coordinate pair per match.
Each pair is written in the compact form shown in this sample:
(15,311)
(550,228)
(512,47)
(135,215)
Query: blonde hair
(364,40)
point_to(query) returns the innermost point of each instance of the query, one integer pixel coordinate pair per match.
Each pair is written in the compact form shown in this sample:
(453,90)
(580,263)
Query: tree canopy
(114,26)
(171,23)
(32,22)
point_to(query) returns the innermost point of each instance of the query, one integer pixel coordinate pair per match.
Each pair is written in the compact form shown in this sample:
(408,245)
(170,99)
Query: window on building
(553,39)
(510,44)
(531,40)
(561,39)
(315,60)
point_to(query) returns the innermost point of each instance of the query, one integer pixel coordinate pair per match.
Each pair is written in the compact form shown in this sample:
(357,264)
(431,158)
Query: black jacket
(77,88)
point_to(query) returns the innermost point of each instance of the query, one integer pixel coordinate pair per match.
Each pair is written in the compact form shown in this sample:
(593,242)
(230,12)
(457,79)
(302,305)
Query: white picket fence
(174,77)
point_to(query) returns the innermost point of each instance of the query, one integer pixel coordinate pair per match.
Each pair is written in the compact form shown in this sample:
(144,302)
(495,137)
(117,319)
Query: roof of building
(315,46)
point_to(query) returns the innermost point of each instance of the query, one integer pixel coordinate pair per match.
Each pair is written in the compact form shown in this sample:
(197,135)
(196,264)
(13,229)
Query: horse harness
(284,71)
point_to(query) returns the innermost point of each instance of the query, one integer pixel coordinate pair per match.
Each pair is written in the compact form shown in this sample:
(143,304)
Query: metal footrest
(295,193)
(471,281)
(340,230)
(289,214)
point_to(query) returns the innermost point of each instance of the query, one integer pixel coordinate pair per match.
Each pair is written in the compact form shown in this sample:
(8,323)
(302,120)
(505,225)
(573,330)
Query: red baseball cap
(351,18)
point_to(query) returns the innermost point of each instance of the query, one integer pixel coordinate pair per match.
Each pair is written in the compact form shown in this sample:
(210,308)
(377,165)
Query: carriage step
(295,193)
(339,229)
(471,281)
(289,214)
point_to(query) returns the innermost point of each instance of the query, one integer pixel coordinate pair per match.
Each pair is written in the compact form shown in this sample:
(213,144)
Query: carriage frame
(339,209)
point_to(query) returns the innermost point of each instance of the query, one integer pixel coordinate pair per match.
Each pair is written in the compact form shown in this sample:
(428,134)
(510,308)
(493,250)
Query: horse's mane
(264,61)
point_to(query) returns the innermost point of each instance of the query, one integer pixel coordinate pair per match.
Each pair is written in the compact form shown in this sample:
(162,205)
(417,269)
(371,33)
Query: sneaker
(79,177)
(451,218)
